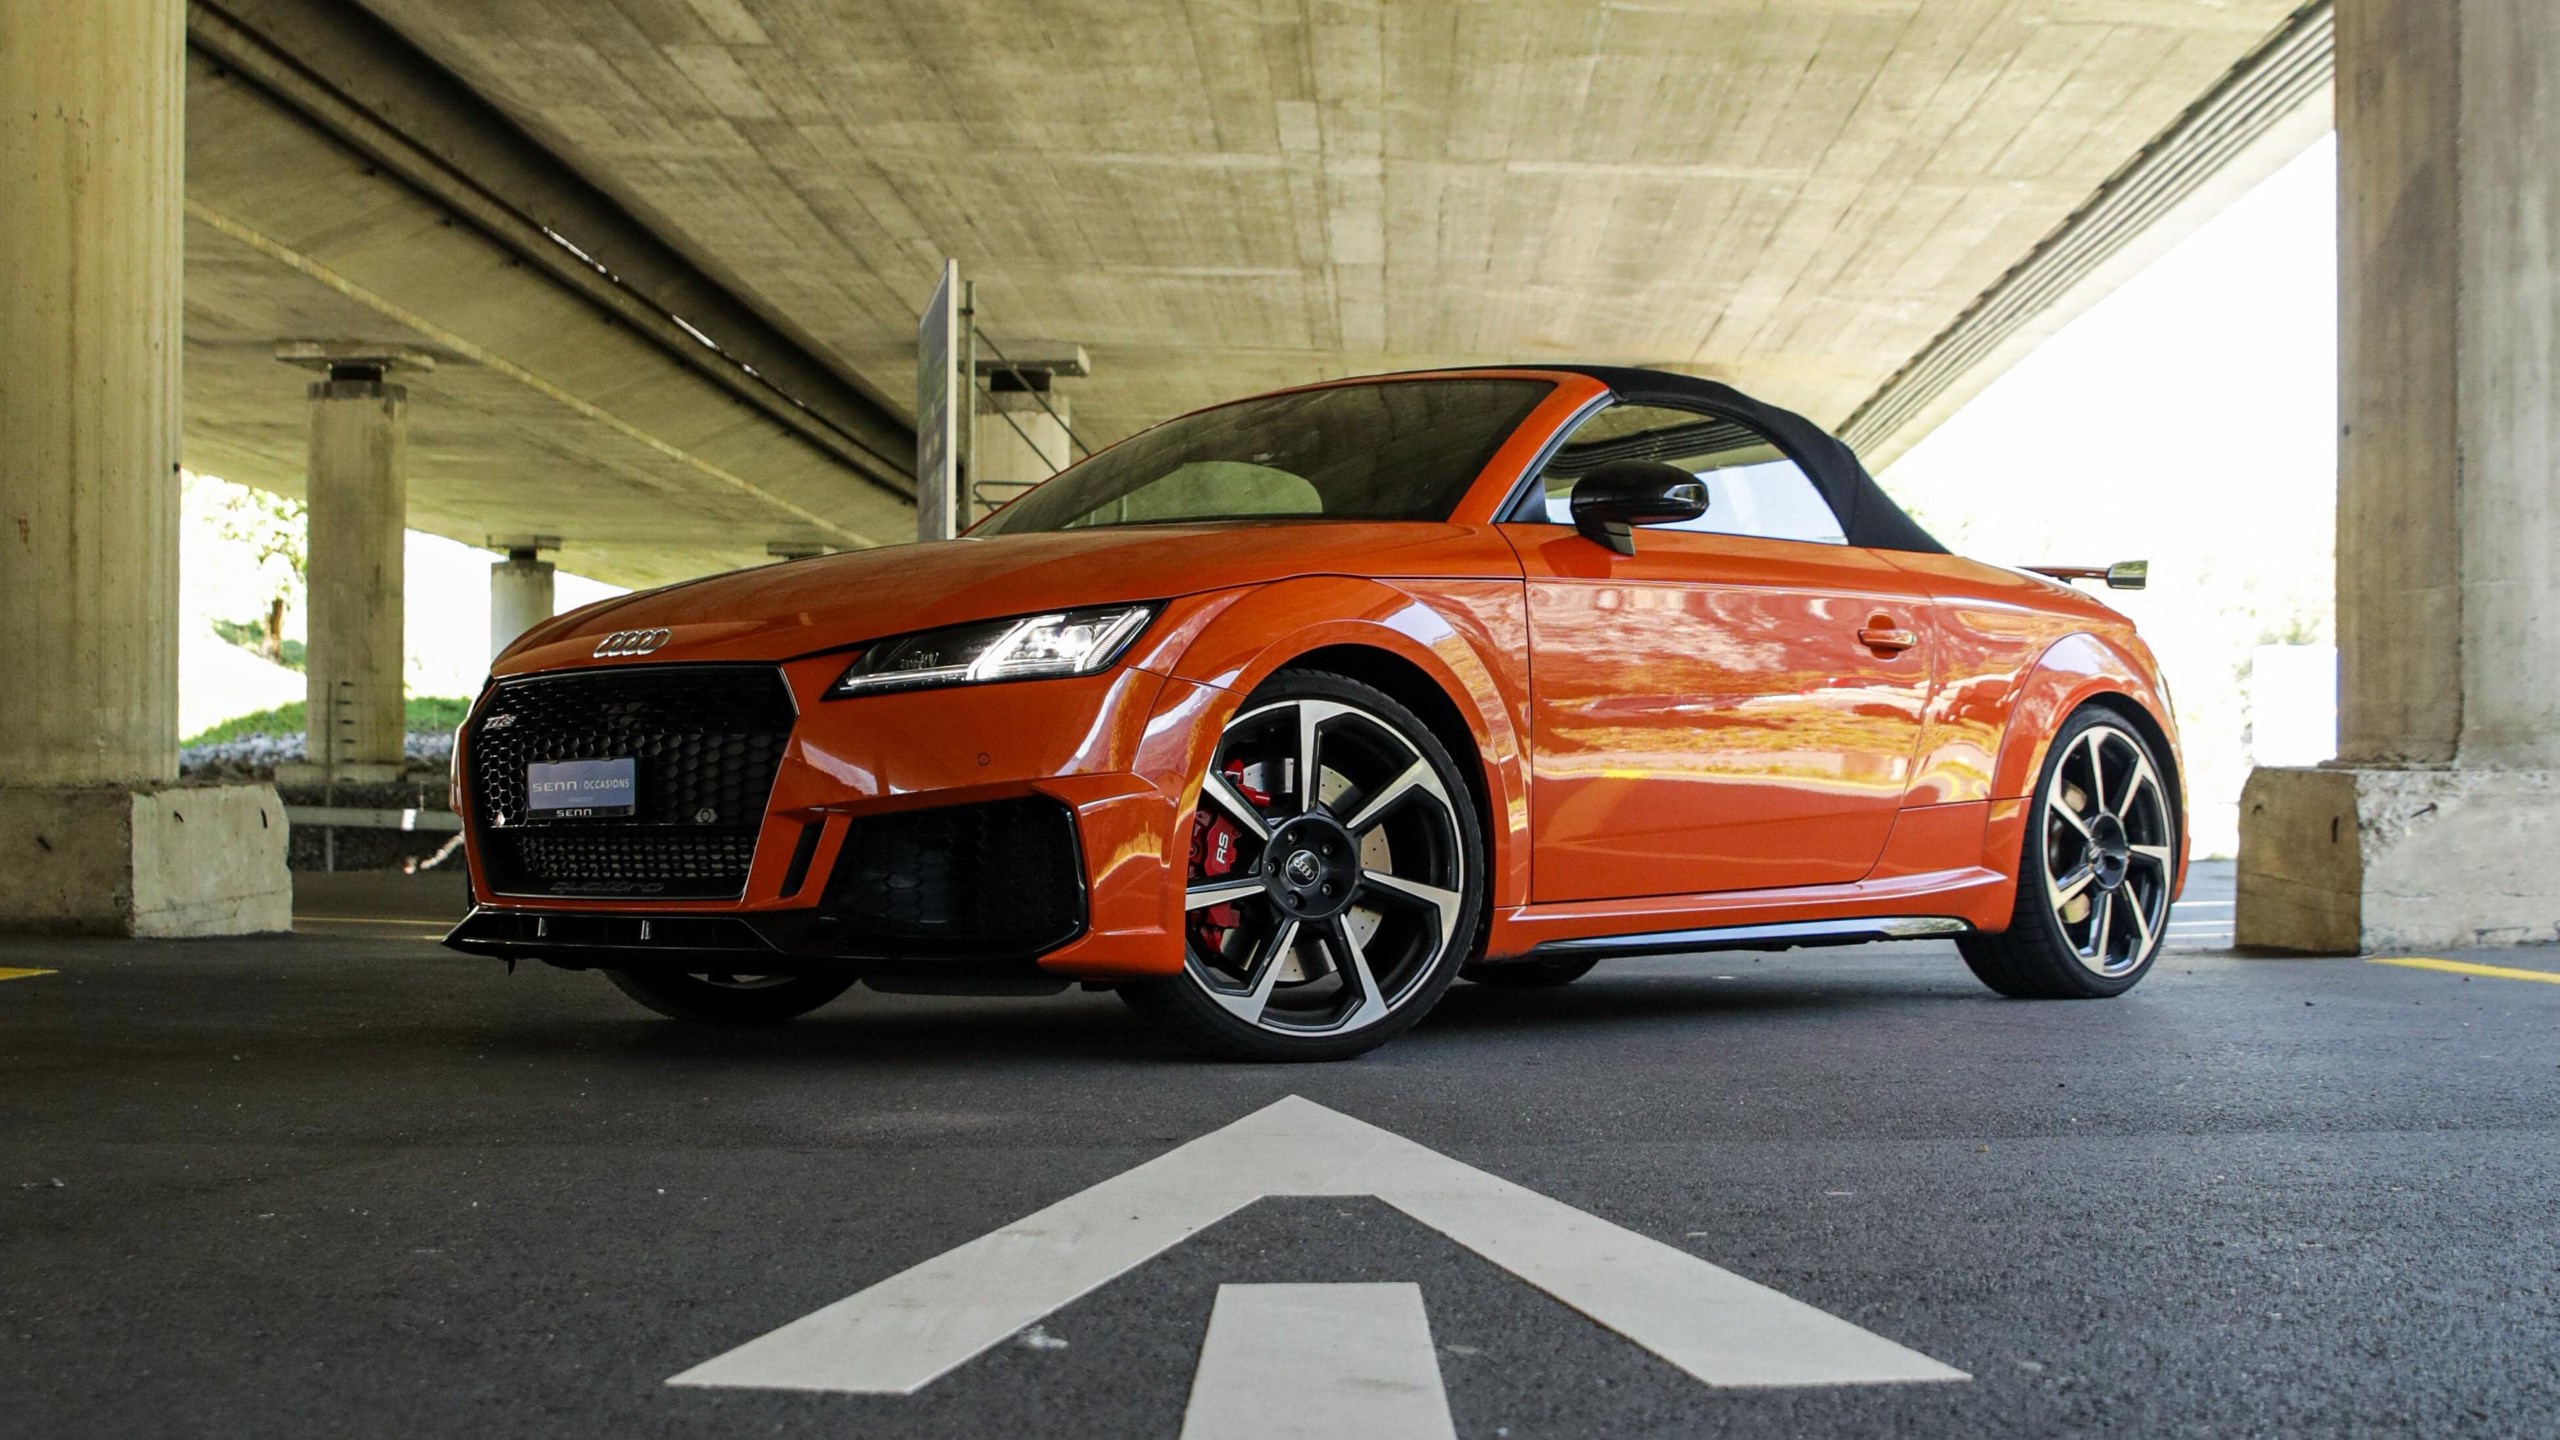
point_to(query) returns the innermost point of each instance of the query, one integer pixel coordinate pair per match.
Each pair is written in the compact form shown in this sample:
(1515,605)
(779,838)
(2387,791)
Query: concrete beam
(359,81)
(2273,105)
(547,413)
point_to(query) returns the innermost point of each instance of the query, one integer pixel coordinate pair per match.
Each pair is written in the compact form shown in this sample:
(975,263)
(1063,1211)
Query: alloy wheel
(2109,861)
(1327,875)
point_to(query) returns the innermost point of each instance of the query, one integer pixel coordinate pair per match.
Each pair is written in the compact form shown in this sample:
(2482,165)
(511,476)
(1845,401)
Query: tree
(276,530)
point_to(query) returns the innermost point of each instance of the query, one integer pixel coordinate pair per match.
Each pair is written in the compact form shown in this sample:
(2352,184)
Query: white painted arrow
(1318,1362)
(903,1333)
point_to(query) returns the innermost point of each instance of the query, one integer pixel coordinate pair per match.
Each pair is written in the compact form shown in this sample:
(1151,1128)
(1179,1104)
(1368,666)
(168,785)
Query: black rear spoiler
(2122,575)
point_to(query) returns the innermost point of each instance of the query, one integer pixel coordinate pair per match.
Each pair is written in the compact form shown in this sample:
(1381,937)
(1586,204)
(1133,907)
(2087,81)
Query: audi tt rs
(1283,716)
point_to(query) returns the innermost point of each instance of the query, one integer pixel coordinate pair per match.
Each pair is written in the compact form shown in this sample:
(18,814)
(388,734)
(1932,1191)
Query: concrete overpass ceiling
(1797,195)
(548,413)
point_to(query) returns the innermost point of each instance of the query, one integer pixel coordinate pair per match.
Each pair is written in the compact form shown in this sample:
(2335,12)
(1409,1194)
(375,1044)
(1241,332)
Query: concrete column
(94,832)
(2434,825)
(89,138)
(519,597)
(358,493)
(1019,444)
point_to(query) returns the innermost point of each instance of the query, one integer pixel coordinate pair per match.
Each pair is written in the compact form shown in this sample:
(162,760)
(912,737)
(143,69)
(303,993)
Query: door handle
(1881,633)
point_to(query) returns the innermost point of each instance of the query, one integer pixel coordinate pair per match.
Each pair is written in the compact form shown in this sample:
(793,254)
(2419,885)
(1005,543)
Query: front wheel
(1336,878)
(2095,875)
(723,998)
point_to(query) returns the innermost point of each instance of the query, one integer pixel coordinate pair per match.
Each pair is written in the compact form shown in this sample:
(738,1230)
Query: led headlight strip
(1030,647)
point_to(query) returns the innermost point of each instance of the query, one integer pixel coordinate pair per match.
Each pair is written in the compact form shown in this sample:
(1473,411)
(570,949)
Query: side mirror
(1625,493)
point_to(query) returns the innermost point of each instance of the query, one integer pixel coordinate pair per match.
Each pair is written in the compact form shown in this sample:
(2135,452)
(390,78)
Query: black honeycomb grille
(707,741)
(995,879)
(568,861)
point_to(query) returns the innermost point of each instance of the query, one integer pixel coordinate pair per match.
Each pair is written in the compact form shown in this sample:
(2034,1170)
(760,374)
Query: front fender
(1467,637)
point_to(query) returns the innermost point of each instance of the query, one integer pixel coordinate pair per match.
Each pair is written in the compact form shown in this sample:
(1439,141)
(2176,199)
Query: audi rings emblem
(632,642)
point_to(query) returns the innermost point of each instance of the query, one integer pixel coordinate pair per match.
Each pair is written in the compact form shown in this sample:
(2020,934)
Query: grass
(425,712)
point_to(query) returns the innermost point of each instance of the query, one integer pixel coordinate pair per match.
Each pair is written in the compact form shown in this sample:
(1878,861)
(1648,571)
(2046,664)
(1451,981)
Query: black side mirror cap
(1625,493)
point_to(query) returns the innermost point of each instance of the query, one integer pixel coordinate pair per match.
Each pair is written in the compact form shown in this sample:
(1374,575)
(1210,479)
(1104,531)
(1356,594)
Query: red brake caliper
(1215,852)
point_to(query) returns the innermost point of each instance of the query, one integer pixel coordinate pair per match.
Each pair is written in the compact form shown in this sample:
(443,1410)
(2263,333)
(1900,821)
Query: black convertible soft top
(1868,516)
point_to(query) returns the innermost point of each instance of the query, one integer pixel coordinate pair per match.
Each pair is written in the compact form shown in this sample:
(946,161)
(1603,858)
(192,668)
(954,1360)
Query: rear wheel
(1335,878)
(2095,874)
(719,997)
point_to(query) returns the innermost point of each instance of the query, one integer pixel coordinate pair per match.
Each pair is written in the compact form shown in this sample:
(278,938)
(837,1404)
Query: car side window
(1752,487)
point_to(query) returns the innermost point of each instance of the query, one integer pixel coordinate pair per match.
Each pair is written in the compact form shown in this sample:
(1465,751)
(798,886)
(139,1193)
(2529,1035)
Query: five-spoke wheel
(2098,869)
(1333,882)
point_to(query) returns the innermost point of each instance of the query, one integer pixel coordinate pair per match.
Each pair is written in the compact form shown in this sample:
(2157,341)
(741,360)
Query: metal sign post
(941,394)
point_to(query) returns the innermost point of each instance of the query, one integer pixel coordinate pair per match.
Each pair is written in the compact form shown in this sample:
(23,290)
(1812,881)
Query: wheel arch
(2076,672)
(1441,661)
(2073,671)
(1409,685)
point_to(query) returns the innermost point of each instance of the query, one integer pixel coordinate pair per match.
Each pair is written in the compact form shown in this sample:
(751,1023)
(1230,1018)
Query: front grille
(979,880)
(707,740)
(636,862)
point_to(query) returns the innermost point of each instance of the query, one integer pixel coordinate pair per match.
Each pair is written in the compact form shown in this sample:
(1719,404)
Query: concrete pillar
(2434,826)
(1019,443)
(357,491)
(95,833)
(519,596)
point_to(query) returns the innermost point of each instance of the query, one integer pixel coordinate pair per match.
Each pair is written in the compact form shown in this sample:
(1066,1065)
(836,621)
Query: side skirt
(1903,907)
(1785,935)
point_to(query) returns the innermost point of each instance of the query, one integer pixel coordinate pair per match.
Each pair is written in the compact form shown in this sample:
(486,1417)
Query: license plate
(581,789)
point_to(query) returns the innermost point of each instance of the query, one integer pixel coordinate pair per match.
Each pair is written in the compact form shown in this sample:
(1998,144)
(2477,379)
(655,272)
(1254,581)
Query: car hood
(775,612)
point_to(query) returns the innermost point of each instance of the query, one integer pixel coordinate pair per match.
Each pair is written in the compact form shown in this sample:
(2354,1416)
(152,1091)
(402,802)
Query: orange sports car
(1281,716)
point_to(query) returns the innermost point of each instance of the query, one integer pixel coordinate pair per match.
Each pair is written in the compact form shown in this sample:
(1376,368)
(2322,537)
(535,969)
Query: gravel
(255,757)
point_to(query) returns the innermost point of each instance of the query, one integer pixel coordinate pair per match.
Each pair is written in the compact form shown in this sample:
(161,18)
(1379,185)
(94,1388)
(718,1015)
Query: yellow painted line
(2464,967)
(11,972)
(376,920)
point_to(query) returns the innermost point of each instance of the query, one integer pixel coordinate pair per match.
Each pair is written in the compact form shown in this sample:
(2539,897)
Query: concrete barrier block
(164,861)
(2341,861)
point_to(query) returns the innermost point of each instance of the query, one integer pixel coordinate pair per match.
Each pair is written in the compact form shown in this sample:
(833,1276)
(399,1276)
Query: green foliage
(2294,627)
(276,533)
(437,712)
(270,525)
(251,635)
(429,713)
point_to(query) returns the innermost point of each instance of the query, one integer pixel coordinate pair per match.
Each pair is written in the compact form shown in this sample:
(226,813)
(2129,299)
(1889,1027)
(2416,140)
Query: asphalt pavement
(351,1183)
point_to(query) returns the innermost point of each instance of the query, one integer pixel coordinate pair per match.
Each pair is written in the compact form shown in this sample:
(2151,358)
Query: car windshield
(1395,450)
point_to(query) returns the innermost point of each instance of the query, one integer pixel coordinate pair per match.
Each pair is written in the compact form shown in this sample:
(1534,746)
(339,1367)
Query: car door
(1736,705)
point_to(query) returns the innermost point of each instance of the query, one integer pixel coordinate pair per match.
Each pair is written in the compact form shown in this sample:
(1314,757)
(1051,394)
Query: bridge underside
(1796,197)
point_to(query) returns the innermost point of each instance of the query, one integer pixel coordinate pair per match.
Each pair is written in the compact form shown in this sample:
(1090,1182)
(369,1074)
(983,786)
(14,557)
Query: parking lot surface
(352,1183)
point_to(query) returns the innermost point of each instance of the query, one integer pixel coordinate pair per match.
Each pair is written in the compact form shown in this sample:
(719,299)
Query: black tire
(2039,957)
(1427,939)
(1526,973)
(708,999)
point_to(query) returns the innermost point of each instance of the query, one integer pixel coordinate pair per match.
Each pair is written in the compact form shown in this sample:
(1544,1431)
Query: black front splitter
(788,942)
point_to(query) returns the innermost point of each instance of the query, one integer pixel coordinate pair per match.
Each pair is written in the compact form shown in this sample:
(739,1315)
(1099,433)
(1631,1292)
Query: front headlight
(1032,647)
